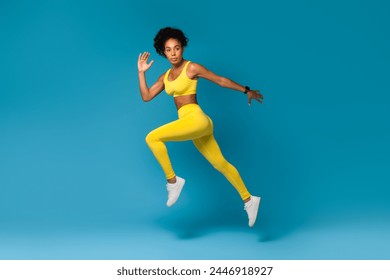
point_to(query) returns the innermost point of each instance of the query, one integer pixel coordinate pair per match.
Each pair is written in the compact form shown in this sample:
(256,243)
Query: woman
(180,81)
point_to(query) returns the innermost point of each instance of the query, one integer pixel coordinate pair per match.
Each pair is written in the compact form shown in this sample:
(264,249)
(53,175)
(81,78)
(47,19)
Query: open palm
(143,64)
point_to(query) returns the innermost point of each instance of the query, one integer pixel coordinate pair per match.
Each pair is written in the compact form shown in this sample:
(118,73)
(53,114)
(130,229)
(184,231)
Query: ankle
(172,180)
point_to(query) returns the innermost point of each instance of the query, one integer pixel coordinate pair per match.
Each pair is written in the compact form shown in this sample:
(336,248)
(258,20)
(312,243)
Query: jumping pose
(192,124)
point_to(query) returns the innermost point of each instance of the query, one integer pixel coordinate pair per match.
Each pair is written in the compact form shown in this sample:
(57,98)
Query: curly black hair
(167,33)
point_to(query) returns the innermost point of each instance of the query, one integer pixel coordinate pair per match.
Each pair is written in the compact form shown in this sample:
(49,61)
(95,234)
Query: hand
(254,94)
(143,64)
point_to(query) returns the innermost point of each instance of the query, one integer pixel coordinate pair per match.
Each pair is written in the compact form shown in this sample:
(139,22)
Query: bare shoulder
(193,66)
(161,78)
(194,70)
(160,82)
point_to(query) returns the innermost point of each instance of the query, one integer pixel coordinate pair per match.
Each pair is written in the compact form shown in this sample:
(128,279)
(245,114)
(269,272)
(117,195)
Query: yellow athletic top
(182,85)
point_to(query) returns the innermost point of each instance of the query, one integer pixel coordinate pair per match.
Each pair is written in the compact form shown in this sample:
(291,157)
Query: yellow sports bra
(182,85)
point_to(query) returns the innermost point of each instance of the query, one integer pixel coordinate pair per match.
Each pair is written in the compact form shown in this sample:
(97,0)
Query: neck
(178,65)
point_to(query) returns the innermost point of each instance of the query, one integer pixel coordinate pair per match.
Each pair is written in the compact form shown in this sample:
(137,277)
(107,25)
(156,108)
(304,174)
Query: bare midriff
(180,101)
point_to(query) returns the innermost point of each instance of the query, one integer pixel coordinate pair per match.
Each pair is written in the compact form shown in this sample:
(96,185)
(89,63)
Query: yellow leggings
(193,125)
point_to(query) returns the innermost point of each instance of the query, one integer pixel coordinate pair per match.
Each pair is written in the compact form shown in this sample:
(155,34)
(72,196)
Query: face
(173,51)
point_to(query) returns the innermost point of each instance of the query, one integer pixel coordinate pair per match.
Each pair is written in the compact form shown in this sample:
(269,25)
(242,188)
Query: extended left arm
(199,71)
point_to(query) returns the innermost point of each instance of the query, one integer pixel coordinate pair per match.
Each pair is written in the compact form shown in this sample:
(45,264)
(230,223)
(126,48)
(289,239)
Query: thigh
(183,129)
(209,148)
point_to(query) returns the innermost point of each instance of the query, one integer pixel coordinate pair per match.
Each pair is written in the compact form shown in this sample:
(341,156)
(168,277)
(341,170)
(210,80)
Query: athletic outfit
(192,124)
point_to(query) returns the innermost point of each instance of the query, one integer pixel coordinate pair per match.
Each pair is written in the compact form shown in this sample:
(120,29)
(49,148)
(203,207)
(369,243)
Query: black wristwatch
(246,89)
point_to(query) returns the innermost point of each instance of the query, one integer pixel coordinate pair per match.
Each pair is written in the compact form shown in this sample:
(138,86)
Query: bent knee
(151,137)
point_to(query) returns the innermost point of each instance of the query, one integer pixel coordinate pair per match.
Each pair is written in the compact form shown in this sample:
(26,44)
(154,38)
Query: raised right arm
(148,94)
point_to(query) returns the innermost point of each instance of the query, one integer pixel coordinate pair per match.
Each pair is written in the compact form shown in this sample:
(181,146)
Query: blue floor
(179,238)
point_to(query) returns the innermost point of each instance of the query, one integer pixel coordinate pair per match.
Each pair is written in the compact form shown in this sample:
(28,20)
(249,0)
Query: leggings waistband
(188,108)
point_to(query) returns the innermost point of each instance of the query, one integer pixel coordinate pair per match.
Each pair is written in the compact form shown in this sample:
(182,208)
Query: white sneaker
(252,207)
(174,190)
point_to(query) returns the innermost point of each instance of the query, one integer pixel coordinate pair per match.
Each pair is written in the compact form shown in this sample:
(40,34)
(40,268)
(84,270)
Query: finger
(260,99)
(146,56)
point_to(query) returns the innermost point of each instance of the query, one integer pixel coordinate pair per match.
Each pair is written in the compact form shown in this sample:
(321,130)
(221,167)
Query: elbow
(146,99)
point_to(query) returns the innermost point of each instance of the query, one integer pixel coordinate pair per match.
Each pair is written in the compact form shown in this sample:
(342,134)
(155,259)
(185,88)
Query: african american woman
(192,124)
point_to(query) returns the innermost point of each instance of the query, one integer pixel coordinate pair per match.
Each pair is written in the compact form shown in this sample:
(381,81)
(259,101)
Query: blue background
(78,181)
